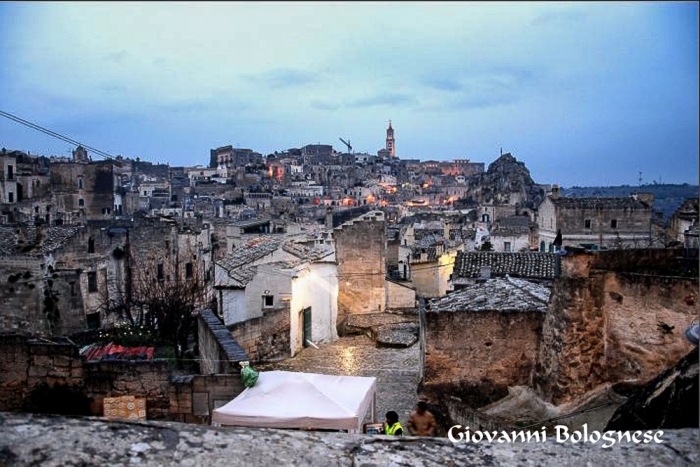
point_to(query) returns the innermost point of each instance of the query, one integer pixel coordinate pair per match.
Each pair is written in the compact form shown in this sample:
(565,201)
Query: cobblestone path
(396,369)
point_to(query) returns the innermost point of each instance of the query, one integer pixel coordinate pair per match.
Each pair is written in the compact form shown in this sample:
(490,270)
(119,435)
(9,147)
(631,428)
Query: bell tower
(390,142)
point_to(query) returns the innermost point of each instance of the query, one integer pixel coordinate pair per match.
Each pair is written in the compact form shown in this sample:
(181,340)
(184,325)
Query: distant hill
(667,198)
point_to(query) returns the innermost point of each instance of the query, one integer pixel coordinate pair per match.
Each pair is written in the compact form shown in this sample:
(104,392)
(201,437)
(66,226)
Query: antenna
(640,178)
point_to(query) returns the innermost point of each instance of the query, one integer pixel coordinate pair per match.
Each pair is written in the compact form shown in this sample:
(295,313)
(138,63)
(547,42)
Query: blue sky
(582,93)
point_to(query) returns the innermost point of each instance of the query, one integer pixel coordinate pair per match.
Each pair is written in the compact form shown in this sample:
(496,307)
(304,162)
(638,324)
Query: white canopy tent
(285,399)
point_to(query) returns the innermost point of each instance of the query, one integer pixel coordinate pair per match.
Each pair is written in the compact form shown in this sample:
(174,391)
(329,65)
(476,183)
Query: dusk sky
(582,93)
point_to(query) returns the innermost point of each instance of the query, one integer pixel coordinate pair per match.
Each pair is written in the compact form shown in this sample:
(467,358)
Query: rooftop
(504,295)
(532,265)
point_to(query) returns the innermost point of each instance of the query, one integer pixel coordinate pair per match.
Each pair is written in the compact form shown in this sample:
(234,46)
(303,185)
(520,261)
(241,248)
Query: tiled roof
(500,294)
(250,252)
(314,253)
(417,252)
(599,203)
(55,238)
(533,265)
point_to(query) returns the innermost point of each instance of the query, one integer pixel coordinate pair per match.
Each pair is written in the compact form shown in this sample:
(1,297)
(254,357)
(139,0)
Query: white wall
(317,287)
(233,305)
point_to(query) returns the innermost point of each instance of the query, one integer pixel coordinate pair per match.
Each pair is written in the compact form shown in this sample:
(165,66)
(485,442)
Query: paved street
(396,369)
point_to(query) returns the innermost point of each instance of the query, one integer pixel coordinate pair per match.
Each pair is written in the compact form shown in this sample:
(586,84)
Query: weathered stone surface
(54,441)
(669,401)
(397,335)
(605,325)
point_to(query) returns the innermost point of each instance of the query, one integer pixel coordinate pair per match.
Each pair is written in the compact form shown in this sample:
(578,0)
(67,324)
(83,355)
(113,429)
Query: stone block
(200,403)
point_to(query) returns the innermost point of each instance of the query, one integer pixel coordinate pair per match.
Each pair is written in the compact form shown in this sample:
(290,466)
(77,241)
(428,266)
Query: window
(11,197)
(587,223)
(506,246)
(161,274)
(91,245)
(613,224)
(81,202)
(93,320)
(268,301)
(105,211)
(188,271)
(80,183)
(92,281)
(10,172)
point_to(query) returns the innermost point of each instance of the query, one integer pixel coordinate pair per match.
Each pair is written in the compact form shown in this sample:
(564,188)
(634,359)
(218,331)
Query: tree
(166,309)
(486,246)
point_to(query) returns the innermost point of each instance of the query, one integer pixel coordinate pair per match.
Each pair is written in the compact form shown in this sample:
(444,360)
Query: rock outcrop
(506,181)
(669,401)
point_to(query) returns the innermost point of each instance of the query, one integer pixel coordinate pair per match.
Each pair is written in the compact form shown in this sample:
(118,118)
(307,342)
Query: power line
(34,126)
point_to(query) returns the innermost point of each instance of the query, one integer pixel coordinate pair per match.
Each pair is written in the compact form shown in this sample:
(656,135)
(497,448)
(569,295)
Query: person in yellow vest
(392,427)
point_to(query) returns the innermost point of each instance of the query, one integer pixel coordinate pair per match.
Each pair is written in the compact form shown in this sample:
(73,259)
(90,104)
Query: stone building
(39,296)
(485,337)
(513,234)
(276,296)
(360,246)
(602,223)
(683,220)
(83,191)
(229,156)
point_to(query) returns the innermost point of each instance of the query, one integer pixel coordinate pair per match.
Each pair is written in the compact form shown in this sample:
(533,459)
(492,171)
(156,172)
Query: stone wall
(400,296)
(25,363)
(607,326)
(194,398)
(147,379)
(266,337)
(27,366)
(38,298)
(29,440)
(489,349)
(219,352)
(360,247)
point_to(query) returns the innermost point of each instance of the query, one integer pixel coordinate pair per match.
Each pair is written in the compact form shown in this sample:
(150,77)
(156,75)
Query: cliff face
(608,326)
(506,181)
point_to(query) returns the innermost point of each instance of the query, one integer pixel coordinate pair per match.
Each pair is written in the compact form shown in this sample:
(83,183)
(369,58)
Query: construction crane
(347,143)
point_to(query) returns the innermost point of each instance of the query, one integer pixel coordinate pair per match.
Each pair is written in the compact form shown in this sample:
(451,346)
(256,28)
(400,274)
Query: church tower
(390,143)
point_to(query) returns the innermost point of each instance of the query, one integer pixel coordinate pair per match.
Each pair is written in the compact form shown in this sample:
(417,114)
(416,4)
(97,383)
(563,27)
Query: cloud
(284,77)
(479,89)
(320,105)
(560,17)
(443,84)
(384,99)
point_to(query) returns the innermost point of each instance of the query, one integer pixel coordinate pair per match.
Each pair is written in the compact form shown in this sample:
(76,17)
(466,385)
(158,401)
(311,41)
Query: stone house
(513,234)
(683,220)
(86,190)
(485,336)
(276,296)
(602,223)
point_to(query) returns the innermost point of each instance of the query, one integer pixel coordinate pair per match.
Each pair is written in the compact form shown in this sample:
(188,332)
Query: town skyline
(583,94)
